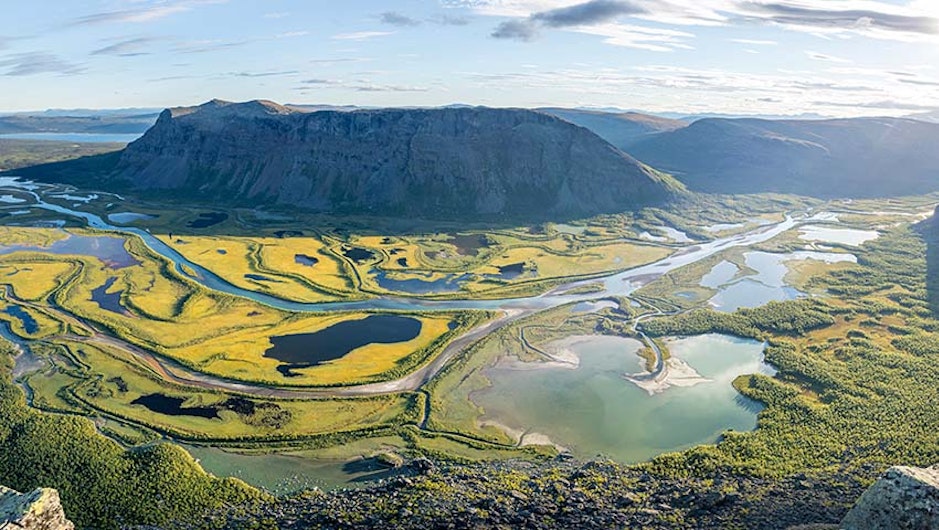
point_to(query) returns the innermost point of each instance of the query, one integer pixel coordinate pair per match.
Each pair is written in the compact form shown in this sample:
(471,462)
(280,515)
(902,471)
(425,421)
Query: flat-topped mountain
(859,157)
(447,161)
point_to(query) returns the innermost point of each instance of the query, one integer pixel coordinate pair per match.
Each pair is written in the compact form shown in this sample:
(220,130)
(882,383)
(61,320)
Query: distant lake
(74,137)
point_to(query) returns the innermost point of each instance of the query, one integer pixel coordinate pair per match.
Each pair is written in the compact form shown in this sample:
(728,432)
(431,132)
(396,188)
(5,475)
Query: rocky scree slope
(448,161)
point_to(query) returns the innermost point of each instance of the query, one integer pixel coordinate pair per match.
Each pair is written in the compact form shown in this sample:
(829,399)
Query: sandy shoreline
(675,372)
(523,438)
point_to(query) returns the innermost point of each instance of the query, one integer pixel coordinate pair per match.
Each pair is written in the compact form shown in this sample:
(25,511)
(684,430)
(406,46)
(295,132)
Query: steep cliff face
(39,510)
(390,161)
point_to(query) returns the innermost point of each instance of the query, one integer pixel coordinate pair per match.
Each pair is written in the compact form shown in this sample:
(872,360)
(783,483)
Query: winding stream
(617,284)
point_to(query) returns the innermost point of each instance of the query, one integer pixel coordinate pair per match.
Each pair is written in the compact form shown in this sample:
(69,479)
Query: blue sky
(832,57)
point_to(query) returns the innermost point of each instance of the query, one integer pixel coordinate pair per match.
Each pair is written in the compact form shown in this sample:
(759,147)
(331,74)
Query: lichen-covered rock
(905,498)
(39,510)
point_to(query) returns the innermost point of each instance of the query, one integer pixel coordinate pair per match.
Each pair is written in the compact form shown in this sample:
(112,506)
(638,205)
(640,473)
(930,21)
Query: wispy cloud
(339,60)
(912,20)
(522,30)
(597,17)
(588,13)
(362,35)
(357,85)
(126,48)
(393,18)
(279,14)
(843,16)
(282,73)
(212,45)
(827,58)
(674,88)
(755,42)
(32,63)
(450,20)
(154,10)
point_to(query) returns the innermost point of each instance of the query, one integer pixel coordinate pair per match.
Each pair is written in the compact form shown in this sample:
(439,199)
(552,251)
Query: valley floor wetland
(294,358)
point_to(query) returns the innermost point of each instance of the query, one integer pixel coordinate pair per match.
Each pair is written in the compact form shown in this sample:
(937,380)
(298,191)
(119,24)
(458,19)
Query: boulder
(905,498)
(39,510)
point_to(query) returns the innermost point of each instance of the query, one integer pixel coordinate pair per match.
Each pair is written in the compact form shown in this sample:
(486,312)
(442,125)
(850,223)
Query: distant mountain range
(425,162)
(485,161)
(97,124)
(860,157)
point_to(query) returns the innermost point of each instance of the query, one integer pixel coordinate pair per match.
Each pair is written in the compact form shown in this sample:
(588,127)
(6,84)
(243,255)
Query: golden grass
(232,258)
(33,280)
(308,417)
(239,354)
(30,236)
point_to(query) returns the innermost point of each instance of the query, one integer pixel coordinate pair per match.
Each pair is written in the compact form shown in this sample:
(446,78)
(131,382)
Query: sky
(761,57)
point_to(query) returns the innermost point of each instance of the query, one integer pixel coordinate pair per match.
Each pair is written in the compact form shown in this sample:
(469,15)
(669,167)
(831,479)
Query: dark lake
(108,301)
(513,270)
(304,350)
(303,259)
(208,219)
(173,406)
(29,323)
(358,255)
(469,244)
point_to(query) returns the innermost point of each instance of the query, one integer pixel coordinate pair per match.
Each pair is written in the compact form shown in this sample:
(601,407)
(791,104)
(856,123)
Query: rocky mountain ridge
(431,162)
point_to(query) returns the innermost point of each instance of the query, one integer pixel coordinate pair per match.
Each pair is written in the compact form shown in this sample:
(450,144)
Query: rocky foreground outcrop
(39,510)
(905,498)
(426,162)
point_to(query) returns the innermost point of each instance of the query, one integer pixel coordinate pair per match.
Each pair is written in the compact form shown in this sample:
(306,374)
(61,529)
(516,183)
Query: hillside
(862,157)
(426,162)
(620,129)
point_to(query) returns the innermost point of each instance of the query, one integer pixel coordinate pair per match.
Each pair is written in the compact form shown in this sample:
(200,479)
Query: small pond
(446,284)
(573,230)
(304,259)
(844,236)
(208,219)
(173,406)
(511,271)
(108,301)
(108,249)
(358,254)
(469,244)
(29,323)
(304,350)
